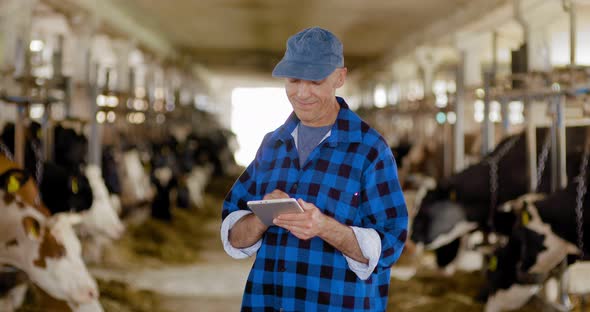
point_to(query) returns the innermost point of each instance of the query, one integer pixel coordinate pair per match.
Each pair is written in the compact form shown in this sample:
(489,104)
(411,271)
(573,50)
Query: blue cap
(312,54)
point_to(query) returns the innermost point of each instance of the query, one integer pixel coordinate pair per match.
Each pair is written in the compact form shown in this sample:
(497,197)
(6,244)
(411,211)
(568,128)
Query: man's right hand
(250,229)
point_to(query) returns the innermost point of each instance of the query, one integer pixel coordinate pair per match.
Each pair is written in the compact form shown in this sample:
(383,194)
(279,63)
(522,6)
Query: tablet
(267,210)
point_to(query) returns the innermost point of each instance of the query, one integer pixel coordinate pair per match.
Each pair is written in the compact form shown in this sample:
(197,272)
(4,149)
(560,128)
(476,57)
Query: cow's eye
(32,228)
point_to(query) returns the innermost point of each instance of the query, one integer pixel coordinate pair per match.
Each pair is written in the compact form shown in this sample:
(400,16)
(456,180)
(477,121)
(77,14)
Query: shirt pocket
(342,205)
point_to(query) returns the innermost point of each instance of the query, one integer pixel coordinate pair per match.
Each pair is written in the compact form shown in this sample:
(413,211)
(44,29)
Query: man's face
(314,102)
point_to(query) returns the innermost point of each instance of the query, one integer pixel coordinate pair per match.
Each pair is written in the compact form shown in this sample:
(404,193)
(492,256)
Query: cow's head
(102,218)
(517,269)
(44,247)
(57,265)
(440,220)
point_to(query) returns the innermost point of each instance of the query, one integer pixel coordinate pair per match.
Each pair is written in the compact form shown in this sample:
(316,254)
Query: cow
(64,180)
(110,173)
(545,234)
(101,223)
(62,184)
(400,151)
(101,218)
(460,204)
(45,247)
(135,183)
(196,182)
(164,177)
(424,157)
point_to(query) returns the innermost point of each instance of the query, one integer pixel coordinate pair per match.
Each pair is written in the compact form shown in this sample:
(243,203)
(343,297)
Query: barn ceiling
(250,35)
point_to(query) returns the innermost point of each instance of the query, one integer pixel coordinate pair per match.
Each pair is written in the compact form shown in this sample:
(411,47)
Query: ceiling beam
(113,16)
(441,30)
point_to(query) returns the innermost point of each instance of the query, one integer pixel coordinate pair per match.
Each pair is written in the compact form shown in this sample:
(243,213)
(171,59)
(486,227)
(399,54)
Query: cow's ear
(32,228)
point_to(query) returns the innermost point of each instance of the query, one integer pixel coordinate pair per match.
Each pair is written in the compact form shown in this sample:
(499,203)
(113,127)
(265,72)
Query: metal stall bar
(22,108)
(458,130)
(558,159)
(19,135)
(95,137)
(528,96)
(531,147)
(561,142)
(504,109)
(47,129)
(487,133)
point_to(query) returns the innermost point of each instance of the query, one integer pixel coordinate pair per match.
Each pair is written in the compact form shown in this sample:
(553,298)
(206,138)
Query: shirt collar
(346,128)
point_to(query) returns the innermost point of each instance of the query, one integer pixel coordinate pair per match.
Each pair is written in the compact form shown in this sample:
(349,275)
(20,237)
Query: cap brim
(315,72)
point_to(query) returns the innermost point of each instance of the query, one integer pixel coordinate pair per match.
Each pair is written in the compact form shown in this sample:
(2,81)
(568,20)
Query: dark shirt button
(294,188)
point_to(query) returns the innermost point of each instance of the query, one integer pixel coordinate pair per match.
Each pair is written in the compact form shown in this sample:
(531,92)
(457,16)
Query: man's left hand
(304,225)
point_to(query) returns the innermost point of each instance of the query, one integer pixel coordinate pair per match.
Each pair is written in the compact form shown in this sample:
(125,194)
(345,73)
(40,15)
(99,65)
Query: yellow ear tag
(525,218)
(13,184)
(453,196)
(75,188)
(493,265)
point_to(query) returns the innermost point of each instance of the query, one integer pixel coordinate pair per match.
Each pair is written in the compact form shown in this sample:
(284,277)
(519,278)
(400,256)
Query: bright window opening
(255,112)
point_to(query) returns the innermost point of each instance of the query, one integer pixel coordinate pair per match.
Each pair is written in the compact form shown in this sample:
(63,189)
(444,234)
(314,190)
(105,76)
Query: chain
(542,161)
(493,163)
(39,164)
(493,184)
(4,149)
(580,193)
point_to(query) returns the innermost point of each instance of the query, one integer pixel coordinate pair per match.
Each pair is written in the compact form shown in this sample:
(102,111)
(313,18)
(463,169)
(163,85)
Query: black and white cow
(63,184)
(545,234)
(461,203)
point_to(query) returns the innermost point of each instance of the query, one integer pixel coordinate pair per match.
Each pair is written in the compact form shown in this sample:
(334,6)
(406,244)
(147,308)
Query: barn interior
(133,119)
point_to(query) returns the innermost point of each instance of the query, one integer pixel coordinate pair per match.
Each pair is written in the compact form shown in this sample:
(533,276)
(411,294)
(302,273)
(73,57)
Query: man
(337,254)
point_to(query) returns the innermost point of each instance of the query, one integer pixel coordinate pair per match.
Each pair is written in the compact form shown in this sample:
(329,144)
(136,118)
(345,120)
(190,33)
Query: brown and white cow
(44,247)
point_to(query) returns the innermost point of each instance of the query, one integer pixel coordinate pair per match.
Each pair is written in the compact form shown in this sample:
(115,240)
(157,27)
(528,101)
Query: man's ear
(341,77)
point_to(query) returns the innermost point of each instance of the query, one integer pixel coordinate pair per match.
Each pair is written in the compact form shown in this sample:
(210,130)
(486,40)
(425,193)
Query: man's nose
(303,89)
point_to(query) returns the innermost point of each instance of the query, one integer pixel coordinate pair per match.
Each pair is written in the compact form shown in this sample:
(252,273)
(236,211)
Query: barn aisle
(214,283)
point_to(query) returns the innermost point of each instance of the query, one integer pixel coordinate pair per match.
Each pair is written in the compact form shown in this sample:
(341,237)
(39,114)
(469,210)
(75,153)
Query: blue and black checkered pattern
(352,177)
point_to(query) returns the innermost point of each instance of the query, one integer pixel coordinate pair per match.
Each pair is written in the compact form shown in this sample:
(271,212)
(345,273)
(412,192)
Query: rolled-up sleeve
(370,244)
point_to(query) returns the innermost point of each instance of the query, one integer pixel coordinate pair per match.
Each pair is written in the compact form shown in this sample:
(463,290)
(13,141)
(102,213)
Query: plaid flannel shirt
(352,177)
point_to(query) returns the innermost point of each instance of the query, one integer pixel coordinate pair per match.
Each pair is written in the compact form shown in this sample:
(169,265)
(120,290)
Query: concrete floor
(214,284)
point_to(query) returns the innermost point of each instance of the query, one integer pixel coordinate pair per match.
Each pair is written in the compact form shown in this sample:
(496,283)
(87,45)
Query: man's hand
(276,194)
(248,230)
(304,225)
(312,222)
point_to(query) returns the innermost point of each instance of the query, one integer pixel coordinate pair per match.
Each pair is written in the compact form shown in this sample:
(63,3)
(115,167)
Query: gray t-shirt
(308,138)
